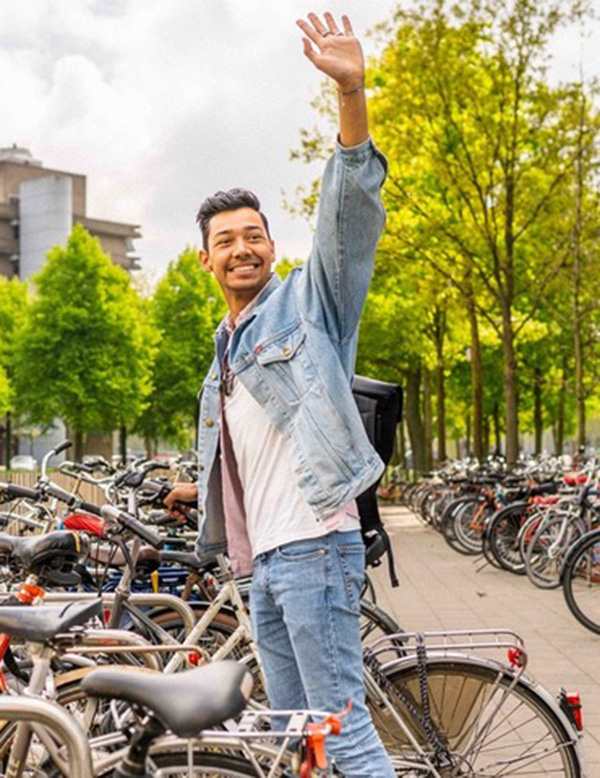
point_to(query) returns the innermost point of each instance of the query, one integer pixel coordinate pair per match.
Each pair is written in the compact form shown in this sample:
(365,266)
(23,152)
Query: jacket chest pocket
(286,366)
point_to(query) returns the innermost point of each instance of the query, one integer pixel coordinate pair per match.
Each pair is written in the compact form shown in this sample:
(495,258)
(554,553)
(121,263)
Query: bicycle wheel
(545,552)
(449,521)
(489,728)
(581,581)
(503,537)
(207,764)
(376,623)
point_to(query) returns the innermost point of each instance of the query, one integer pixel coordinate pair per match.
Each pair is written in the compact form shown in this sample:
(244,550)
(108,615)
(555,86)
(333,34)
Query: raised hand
(337,54)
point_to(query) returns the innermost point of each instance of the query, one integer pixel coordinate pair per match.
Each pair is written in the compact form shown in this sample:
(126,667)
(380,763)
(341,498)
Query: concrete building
(38,208)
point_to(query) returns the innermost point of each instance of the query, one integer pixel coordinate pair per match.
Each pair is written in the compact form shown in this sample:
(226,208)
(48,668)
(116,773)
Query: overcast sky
(162,102)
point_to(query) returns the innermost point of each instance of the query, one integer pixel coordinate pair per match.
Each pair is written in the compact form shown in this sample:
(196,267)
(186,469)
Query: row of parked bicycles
(536,520)
(124,654)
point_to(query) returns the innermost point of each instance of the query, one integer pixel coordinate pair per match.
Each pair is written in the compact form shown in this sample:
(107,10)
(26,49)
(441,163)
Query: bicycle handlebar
(110,513)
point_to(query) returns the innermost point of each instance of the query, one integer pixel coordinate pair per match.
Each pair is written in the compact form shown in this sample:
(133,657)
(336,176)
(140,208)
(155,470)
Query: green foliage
(13,313)
(185,310)
(492,198)
(84,354)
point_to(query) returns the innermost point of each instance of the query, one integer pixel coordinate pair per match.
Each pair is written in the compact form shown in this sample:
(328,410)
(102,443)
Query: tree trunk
(538,418)
(7,439)
(428,419)
(560,422)
(440,333)
(578,315)
(123,444)
(497,435)
(414,419)
(510,388)
(468,434)
(78,446)
(486,435)
(476,381)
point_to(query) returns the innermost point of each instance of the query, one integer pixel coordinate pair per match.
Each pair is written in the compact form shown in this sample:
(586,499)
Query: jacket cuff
(356,155)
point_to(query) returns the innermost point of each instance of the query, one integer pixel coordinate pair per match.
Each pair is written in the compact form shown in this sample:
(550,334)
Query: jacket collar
(226,326)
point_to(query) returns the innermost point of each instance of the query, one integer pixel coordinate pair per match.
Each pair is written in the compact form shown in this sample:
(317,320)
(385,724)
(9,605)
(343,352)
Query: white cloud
(160,102)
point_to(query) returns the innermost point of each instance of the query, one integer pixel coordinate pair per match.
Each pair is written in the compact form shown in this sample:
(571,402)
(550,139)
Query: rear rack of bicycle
(390,648)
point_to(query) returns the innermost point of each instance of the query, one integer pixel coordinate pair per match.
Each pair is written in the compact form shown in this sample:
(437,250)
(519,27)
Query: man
(277,404)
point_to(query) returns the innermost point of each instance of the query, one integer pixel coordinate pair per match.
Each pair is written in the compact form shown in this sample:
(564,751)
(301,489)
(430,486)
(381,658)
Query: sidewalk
(441,589)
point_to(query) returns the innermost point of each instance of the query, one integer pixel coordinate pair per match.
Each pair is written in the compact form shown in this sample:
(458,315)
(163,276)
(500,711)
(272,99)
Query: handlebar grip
(63,446)
(164,520)
(88,507)
(21,491)
(110,513)
(55,491)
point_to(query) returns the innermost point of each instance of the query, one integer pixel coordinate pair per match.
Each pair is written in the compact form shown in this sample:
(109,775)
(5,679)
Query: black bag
(380,407)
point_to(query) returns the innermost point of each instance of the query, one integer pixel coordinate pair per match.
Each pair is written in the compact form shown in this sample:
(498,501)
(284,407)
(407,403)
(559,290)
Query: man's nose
(240,247)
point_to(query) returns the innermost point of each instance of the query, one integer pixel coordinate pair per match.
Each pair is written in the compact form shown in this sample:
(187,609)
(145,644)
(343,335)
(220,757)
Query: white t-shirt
(276,511)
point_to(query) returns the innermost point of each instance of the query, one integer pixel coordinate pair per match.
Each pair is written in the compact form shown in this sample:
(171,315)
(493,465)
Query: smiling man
(282,449)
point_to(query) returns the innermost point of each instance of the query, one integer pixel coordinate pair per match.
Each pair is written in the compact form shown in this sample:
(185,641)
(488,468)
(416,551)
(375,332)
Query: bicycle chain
(421,716)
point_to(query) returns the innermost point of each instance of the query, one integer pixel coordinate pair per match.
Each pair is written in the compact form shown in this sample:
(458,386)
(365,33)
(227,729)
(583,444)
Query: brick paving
(441,589)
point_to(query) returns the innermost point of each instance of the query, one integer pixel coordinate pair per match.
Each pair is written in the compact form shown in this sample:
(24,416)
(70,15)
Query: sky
(163,102)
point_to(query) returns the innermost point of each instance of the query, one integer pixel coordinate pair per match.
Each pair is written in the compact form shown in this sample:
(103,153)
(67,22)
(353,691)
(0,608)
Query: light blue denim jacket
(295,352)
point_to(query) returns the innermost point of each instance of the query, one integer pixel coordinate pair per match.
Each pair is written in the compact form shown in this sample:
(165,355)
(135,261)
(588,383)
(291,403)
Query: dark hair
(227,201)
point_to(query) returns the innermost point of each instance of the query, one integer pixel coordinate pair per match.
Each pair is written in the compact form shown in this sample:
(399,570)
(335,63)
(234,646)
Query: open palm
(337,54)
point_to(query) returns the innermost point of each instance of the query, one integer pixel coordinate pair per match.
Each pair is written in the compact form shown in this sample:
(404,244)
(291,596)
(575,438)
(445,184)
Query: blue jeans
(304,609)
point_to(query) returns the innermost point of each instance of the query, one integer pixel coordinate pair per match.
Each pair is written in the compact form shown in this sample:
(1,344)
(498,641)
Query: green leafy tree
(84,354)
(185,310)
(13,314)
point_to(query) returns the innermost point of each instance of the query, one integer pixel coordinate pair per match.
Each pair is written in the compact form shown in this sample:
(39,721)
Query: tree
(13,313)
(84,354)
(185,310)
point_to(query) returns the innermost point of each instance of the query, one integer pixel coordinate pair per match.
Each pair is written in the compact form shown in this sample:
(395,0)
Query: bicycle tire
(581,581)
(543,562)
(503,537)
(525,729)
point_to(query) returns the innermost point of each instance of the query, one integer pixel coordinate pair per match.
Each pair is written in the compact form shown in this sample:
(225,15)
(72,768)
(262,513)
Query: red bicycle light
(574,703)
(195,658)
(516,657)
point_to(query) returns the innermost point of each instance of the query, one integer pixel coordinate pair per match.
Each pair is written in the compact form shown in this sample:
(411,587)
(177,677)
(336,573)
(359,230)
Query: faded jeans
(304,608)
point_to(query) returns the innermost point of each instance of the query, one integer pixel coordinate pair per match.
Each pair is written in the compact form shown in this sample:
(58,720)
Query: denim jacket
(295,352)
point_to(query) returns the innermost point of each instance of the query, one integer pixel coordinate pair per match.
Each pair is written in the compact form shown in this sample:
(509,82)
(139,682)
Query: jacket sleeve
(335,280)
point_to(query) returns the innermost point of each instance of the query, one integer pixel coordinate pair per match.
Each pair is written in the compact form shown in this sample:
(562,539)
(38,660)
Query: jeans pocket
(352,562)
(302,551)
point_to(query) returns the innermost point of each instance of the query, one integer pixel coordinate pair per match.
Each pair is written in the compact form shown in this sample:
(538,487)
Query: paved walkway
(441,589)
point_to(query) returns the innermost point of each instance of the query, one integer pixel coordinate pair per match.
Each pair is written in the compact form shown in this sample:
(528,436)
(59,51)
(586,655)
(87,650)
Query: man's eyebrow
(246,227)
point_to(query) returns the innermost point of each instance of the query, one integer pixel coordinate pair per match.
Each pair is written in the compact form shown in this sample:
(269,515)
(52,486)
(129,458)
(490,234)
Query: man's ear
(205,260)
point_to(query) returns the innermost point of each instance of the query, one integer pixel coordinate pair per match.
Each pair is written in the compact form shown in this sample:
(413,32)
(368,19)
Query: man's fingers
(347,25)
(333,28)
(308,50)
(310,32)
(317,23)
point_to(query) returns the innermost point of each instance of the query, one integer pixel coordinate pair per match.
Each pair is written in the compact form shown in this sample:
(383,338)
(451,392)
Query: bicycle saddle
(39,549)
(186,703)
(39,623)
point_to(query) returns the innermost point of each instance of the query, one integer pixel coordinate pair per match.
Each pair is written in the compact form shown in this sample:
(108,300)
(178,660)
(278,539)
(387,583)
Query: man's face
(240,253)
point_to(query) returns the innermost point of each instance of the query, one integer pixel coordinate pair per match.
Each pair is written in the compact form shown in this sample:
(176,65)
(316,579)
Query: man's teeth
(245,267)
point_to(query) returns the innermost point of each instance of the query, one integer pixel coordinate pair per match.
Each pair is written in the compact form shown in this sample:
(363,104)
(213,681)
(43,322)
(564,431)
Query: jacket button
(209,422)
(286,351)
(213,376)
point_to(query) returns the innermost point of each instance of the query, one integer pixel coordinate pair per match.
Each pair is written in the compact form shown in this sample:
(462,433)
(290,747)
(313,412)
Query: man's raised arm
(339,55)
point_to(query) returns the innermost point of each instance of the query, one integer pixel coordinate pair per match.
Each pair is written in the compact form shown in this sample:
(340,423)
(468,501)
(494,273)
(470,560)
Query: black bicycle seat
(39,623)
(33,551)
(186,703)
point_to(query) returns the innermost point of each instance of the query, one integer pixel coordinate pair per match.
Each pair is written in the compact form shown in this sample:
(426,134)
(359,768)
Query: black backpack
(380,406)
